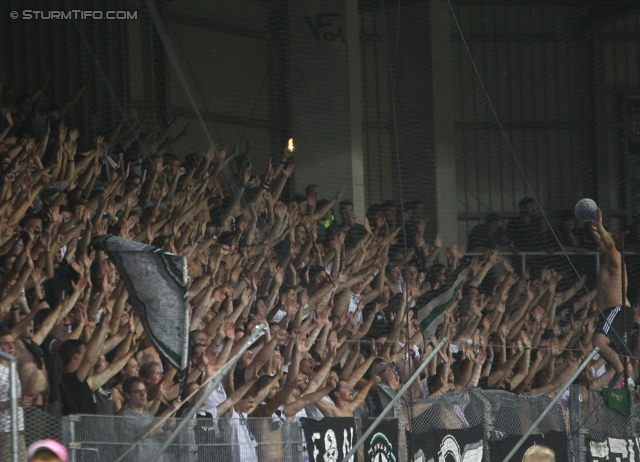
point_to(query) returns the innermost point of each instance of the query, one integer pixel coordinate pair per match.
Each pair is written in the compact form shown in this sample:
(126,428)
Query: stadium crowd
(341,294)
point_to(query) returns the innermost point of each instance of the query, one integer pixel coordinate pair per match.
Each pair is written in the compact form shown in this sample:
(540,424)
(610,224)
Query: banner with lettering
(382,444)
(616,449)
(441,444)
(329,439)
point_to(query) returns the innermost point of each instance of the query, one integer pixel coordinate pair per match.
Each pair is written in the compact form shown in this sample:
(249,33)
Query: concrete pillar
(320,97)
(355,108)
(444,118)
(135,60)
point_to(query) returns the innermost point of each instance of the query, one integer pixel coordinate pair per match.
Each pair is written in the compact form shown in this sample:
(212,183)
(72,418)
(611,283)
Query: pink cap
(52,445)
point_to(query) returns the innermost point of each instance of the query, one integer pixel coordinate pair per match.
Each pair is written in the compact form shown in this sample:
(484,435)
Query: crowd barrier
(581,427)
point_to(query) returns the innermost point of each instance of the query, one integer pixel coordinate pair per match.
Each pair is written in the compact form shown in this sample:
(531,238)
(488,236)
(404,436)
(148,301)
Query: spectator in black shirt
(526,231)
(76,384)
(567,235)
(488,235)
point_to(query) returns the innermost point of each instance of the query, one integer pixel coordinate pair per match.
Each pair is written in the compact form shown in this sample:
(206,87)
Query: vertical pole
(487,421)
(13,377)
(625,358)
(184,357)
(211,385)
(551,404)
(523,263)
(72,444)
(355,107)
(575,412)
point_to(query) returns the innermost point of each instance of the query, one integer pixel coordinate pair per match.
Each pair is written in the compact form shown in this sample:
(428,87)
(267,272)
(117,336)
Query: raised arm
(602,236)
(94,347)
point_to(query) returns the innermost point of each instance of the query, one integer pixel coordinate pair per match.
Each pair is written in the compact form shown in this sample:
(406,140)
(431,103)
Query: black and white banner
(614,449)
(553,440)
(382,444)
(330,439)
(441,444)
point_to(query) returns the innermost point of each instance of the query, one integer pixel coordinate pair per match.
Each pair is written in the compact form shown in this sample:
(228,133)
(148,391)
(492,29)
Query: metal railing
(523,256)
(583,418)
(92,438)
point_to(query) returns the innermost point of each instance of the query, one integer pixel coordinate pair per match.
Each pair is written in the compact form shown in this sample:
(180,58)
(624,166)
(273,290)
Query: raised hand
(480,357)
(77,266)
(37,276)
(210,153)
(303,343)
(165,387)
(288,171)
(230,330)
(503,331)
(246,296)
(279,276)
(159,164)
(323,317)
(80,285)
(101,228)
(280,210)
(538,313)
(221,293)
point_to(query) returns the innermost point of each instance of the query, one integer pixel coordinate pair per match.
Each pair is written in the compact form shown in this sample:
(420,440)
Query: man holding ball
(609,333)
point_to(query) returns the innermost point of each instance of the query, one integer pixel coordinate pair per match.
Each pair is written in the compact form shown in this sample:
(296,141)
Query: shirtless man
(31,367)
(609,332)
(346,404)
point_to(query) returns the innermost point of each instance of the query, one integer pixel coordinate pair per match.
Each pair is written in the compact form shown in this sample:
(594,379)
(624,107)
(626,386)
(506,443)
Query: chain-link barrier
(114,438)
(110,438)
(601,428)
(91,438)
(499,412)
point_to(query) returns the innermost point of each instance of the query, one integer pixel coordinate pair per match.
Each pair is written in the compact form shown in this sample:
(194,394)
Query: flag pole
(625,358)
(184,359)
(257,333)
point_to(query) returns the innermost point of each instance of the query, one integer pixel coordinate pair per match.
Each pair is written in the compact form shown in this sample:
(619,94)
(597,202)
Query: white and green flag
(431,315)
(157,284)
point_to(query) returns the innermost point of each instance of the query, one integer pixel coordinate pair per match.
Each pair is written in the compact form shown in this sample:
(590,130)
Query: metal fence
(595,422)
(11,419)
(501,414)
(583,417)
(106,438)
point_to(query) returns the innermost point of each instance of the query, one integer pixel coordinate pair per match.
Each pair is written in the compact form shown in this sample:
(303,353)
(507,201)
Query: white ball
(585,209)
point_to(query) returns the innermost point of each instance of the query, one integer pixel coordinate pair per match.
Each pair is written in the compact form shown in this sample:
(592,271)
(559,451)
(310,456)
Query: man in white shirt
(237,434)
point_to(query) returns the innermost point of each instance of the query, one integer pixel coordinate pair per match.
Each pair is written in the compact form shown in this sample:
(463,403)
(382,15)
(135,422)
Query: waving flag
(157,284)
(431,315)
